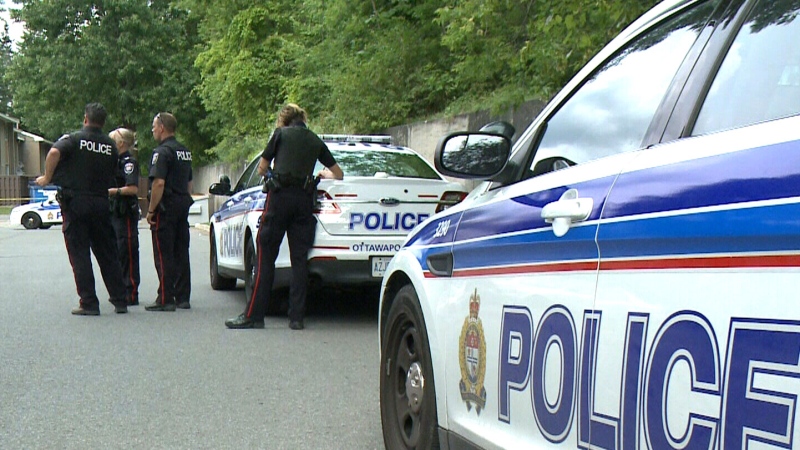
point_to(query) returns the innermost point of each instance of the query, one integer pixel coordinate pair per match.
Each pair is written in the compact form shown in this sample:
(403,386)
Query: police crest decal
(472,357)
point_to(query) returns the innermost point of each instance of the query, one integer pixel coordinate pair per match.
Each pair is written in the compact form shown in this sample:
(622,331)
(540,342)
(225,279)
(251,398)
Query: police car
(43,214)
(628,275)
(362,220)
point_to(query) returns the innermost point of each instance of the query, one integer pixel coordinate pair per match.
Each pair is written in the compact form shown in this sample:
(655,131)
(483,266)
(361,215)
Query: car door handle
(566,211)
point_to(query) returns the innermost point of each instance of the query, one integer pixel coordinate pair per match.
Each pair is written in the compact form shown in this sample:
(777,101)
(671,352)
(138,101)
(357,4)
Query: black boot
(242,321)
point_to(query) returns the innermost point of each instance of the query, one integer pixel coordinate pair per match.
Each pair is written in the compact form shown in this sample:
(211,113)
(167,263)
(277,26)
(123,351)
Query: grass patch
(5,210)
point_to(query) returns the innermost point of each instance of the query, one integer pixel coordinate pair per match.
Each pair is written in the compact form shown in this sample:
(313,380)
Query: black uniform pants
(171,249)
(288,211)
(127,231)
(87,226)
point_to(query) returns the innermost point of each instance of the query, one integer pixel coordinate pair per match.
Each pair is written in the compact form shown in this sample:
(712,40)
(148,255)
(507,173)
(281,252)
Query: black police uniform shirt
(127,171)
(172,162)
(87,162)
(296,150)
(128,175)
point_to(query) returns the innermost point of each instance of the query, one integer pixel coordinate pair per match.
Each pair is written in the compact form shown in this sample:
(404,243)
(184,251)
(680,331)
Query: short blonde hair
(289,114)
(125,135)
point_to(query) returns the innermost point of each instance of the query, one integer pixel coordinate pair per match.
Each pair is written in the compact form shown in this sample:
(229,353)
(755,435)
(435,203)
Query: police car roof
(375,139)
(355,143)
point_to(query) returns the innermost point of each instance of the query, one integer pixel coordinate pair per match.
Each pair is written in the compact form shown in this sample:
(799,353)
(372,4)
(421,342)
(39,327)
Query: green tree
(375,64)
(510,51)
(134,56)
(5,61)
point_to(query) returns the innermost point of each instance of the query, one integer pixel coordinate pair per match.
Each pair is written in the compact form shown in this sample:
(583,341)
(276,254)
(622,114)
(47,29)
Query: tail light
(449,199)
(325,204)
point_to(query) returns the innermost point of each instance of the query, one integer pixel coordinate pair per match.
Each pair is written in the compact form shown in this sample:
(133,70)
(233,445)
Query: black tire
(408,412)
(250,264)
(31,221)
(218,282)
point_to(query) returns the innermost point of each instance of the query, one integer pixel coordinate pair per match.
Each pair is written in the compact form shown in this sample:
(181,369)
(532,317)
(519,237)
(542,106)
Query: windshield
(365,163)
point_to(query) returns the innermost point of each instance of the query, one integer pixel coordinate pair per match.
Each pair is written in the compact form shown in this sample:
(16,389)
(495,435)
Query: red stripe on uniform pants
(259,254)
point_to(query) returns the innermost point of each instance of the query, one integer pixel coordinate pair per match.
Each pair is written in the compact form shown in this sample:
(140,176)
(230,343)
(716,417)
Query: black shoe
(79,311)
(296,324)
(184,305)
(121,308)
(133,302)
(243,321)
(156,306)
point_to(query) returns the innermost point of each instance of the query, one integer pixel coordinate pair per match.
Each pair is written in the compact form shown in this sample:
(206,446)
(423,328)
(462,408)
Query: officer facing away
(168,215)
(82,165)
(294,150)
(125,212)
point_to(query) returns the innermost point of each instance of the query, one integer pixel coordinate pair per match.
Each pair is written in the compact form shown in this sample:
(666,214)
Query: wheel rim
(408,386)
(30,221)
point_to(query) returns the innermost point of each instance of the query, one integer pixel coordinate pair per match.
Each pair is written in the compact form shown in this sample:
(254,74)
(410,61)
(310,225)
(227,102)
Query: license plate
(379,264)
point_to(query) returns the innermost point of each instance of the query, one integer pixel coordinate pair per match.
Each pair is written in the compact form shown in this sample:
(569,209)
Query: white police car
(362,220)
(42,214)
(629,277)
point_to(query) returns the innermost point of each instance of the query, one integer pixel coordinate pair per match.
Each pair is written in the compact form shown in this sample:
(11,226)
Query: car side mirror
(221,188)
(479,155)
(501,128)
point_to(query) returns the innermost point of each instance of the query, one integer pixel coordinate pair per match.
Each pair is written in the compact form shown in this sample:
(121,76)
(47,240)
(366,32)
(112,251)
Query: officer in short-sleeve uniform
(125,217)
(168,215)
(289,210)
(82,164)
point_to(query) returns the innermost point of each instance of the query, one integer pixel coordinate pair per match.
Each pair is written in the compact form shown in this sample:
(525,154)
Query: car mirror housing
(478,155)
(221,188)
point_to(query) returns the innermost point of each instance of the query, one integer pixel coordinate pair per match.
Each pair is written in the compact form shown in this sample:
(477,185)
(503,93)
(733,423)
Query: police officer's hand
(42,181)
(151,218)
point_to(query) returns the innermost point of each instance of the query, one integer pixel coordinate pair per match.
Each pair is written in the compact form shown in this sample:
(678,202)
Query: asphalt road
(177,380)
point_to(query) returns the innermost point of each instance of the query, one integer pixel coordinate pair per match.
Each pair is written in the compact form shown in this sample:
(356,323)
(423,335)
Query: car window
(611,112)
(249,178)
(759,79)
(367,163)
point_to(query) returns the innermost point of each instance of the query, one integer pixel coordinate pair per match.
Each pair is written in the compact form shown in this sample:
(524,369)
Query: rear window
(367,163)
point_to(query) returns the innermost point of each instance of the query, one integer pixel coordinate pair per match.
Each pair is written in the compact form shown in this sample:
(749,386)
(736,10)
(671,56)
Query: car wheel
(407,392)
(31,221)
(218,282)
(250,265)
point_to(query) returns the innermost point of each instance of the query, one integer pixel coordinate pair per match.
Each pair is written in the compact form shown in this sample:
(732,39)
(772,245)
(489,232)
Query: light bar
(376,139)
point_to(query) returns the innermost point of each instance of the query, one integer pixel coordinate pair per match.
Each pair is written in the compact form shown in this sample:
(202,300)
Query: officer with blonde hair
(293,150)
(125,212)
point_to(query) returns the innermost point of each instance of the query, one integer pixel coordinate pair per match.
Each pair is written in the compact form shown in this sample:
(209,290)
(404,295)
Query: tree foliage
(227,66)
(133,56)
(5,62)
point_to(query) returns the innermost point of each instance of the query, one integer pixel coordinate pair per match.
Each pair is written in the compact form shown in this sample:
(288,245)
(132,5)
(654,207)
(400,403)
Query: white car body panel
(666,319)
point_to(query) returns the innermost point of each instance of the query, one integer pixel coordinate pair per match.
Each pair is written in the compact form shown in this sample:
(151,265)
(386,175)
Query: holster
(271,184)
(310,185)
(119,206)
(63,196)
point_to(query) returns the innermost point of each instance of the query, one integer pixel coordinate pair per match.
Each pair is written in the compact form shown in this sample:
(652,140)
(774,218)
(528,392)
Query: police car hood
(379,205)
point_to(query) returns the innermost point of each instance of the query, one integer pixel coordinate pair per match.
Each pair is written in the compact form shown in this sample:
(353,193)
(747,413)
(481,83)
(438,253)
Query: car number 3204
(379,264)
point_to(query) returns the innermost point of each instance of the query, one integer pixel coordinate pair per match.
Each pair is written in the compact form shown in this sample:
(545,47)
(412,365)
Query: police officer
(82,165)
(125,212)
(168,215)
(294,149)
